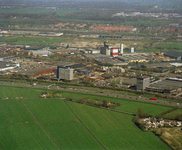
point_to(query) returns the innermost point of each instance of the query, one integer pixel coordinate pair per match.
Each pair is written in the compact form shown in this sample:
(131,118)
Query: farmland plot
(13,92)
(132,107)
(19,130)
(115,130)
(61,124)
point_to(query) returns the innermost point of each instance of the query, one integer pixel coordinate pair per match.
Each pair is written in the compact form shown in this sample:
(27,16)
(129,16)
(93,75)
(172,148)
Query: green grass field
(146,22)
(20,130)
(33,41)
(13,92)
(62,124)
(126,105)
(115,130)
(170,45)
(173,113)
(60,12)
(146,107)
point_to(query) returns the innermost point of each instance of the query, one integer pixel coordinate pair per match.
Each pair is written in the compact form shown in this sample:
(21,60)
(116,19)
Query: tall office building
(64,73)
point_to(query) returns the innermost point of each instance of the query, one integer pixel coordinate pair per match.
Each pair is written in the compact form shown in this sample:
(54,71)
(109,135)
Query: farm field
(62,124)
(146,22)
(33,41)
(170,45)
(115,130)
(173,113)
(37,11)
(131,106)
(13,92)
(19,129)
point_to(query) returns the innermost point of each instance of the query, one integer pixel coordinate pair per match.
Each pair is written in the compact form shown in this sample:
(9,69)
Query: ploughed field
(35,123)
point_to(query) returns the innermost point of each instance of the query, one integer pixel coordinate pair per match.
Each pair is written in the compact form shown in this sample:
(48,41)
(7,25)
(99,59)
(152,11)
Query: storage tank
(114,52)
(121,49)
(132,49)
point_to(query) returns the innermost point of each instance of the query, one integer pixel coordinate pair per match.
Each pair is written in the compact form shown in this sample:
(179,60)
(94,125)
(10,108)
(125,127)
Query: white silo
(132,49)
(121,49)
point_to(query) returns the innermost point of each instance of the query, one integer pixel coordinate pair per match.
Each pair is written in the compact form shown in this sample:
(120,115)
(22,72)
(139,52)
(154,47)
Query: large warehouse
(174,55)
(169,85)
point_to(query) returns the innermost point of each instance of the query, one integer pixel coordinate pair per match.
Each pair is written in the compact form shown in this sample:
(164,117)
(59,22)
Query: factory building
(173,55)
(115,69)
(64,73)
(92,51)
(135,58)
(114,52)
(168,86)
(105,51)
(143,82)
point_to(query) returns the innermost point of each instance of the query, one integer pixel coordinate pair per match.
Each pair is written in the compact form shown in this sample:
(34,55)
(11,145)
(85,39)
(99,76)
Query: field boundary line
(84,126)
(41,125)
(110,109)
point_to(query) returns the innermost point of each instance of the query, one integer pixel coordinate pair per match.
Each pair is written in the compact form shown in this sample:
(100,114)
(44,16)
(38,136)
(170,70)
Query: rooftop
(173,54)
(166,84)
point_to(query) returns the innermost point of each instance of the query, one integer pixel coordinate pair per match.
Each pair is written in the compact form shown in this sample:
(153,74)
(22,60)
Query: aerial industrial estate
(90,75)
(101,66)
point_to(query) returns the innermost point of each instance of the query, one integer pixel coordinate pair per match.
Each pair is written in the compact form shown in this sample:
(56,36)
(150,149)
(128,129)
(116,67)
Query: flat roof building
(165,86)
(64,73)
(173,54)
(143,82)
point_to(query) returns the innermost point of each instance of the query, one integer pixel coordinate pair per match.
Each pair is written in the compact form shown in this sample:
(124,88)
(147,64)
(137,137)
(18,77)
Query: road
(94,92)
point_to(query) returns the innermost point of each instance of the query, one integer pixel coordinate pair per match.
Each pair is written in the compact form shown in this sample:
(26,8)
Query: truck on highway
(152,98)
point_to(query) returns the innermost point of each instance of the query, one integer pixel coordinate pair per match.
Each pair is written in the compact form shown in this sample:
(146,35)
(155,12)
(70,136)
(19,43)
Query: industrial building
(92,51)
(74,66)
(7,65)
(7,57)
(143,82)
(173,55)
(84,71)
(50,34)
(105,59)
(35,48)
(41,53)
(135,58)
(130,82)
(112,36)
(64,73)
(115,69)
(167,86)
(114,52)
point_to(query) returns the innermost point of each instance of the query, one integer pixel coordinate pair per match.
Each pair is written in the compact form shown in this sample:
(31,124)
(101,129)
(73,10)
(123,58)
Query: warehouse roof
(76,65)
(165,84)
(134,57)
(4,55)
(131,81)
(173,54)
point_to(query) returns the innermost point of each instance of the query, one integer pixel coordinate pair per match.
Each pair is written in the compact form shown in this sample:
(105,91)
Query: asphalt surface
(64,88)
